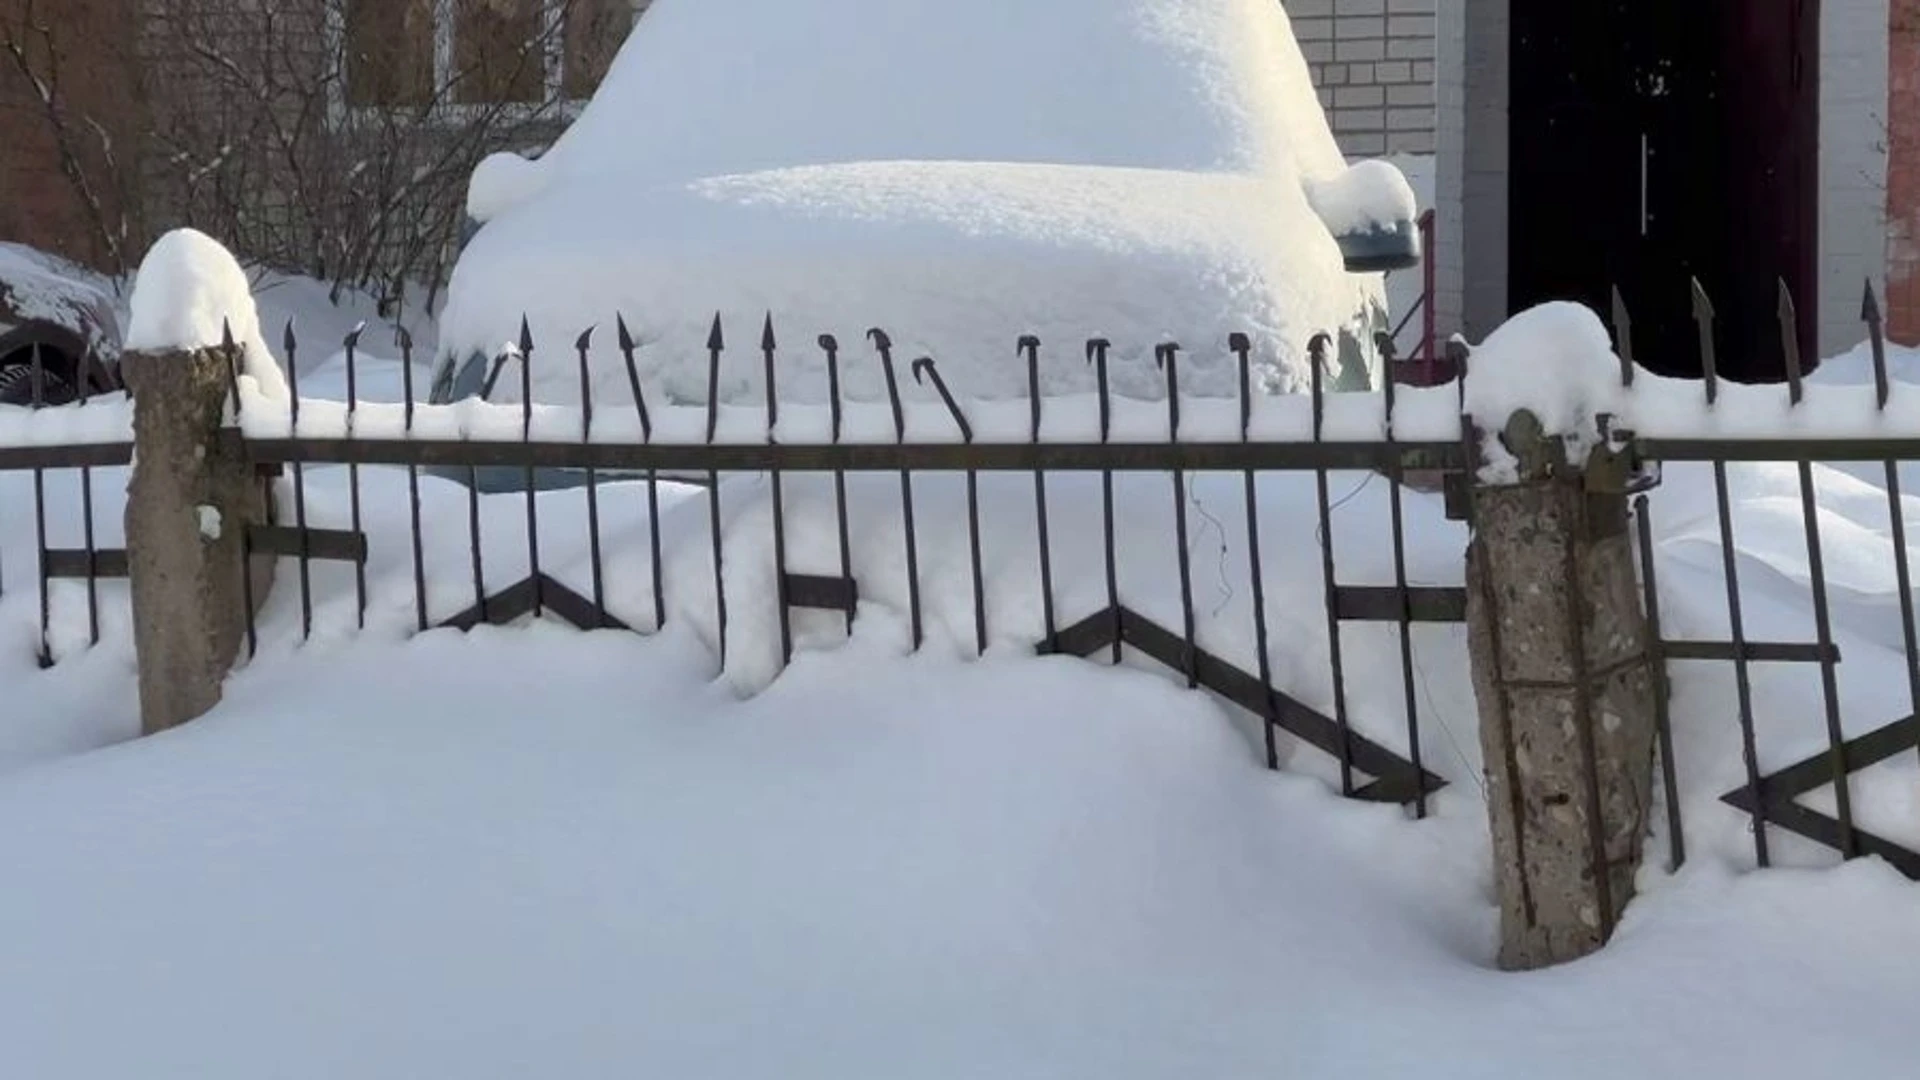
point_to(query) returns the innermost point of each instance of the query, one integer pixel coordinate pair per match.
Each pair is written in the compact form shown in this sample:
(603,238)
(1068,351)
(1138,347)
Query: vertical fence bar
(923,370)
(768,347)
(353,481)
(1168,358)
(1896,507)
(413,481)
(1429,290)
(1396,473)
(1816,564)
(831,347)
(291,347)
(1242,348)
(627,346)
(1030,346)
(1662,706)
(1742,676)
(533,502)
(85,390)
(1317,363)
(1097,350)
(230,354)
(38,391)
(884,345)
(716,344)
(582,346)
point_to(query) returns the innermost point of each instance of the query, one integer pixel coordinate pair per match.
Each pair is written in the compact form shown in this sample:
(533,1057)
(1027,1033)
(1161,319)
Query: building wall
(1373,61)
(1903,173)
(1853,163)
(40,204)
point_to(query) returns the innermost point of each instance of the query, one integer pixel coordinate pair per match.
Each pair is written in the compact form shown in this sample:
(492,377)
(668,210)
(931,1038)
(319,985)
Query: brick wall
(1373,61)
(87,57)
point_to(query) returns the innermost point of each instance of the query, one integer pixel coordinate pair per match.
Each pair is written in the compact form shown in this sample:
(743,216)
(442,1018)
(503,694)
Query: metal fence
(1182,451)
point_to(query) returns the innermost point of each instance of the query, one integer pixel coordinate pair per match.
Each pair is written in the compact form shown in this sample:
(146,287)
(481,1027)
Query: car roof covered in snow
(959,173)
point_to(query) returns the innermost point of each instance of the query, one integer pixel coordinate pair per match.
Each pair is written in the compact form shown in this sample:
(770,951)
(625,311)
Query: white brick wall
(1373,61)
(1853,164)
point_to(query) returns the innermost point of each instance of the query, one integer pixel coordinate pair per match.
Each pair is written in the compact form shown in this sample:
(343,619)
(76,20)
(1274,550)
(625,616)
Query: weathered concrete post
(190,503)
(1561,670)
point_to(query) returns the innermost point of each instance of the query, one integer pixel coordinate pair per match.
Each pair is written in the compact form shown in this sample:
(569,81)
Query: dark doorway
(1655,142)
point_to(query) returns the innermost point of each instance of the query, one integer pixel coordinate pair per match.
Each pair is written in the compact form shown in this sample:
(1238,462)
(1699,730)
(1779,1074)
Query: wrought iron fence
(1404,435)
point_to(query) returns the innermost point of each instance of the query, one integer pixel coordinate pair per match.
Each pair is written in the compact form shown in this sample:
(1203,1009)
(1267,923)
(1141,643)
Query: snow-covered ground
(538,851)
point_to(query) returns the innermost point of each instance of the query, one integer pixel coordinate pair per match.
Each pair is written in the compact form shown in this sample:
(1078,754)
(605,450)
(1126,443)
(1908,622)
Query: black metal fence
(1179,455)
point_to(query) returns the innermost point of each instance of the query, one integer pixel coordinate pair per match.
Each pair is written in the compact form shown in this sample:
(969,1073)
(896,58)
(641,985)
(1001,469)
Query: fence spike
(716,342)
(767,347)
(1167,358)
(1097,349)
(831,346)
(627,346)
(1241,346)
(1790,343)
(1877,337)
(923,369)
(884,344)
(1316,379)
(526,339)
(1029,346)
(292,349)
(1623,337)
(1703,321)
(582,345)
(227,350)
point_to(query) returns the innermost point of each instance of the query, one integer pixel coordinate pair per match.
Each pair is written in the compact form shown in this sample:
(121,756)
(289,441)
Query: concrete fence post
(1565,686)
(190,502)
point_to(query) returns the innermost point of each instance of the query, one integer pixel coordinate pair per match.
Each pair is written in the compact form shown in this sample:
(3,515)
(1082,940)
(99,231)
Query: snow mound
(1370,195)
(957,174)
(500,182)
(190,290)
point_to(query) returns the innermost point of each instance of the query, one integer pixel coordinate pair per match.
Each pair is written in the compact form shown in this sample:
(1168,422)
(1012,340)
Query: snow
(1160,196)
(1368,196)
(36,286)
(540,850)
(189,292)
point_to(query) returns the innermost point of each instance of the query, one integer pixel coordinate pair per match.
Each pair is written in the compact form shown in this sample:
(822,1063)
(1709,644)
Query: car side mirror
(1380,247)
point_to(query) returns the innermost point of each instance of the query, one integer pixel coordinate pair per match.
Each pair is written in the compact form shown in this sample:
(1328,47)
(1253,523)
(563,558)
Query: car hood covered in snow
(960,174)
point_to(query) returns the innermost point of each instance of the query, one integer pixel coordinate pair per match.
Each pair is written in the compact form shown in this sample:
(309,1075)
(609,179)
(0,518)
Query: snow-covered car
(959,174)
(60,319)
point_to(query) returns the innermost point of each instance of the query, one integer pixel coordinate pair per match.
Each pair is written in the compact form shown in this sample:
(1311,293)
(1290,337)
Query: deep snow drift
(958,174)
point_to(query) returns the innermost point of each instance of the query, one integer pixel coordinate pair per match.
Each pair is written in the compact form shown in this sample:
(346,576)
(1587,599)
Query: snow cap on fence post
(1558,640)
(188,290)
(1554,362)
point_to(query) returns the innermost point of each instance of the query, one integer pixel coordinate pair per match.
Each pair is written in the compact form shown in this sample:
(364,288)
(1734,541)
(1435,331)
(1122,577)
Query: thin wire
(1320,537)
